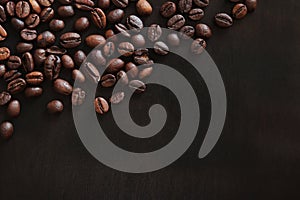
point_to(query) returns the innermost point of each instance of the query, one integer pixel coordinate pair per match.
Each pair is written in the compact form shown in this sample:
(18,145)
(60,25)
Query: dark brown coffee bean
(108,80)
(81,24)
(203,31)
(78,76)
(137,86)
(56,25)
(14,62)
(35,6)
(138,40)
(91,72)
(3,33)
(125,49)
(196,14)
(11,75)
(2,70)
(47,14)
(186,32)
(78,96)
(10,8)
(33,92)
(67,62)
(121,28)
(17,24)
(97,58)
(201,3)
(161,48)
(173,39)
(23,47)
(95,40)
(115,65)
(109,49)
(52,67)
(141,56)
(45,3)
(6,130)
(131,69)
(110,34)
(65,11)
(154,32)
(4,98)
(168,9)
(251,5)
(85,5)
(117,98)
(14,108)
(239,11)
(56,50)
(185,5)
(4,53)
(22,9)
(28,62)
(146,72)
(198,46)
(143,8)
(99,18)
(70,40)
(223,20)
(120,3)
(39,57)
(35,78)
(122,77)
(176,22)
(115,16)
(103,4)
(28,34)
(62,87)
(45,39)
(79,57)
(101,105)
(55,107)
(16,86)
(32,21)
(134,23)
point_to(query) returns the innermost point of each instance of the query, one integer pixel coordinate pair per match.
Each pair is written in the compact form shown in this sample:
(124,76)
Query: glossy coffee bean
(137,86)
(120,3)
(143,8)
(186,32)
(28,62)
(2,70)
(39,57)
(14,62)
(173,39)
(125,49)
(138,40)
(109,49)
(185,5)
(78,76)
(23,47)
(6,130)
(154,32)
(110,34)
(115,65)
(131,70)
(85,5)
(168,9)
(223,20)
(45,39)
(81,24)
(45,3)
(2,14)
(176,22)
(91,72)
(99,18)
(22,9)
(56,50)
(3,33)
(17,24)
(198,46)
(203,31)
(121,28)
(70,40)
(10,8)
(161,48)
(35,6)
(67,62)
(95,40)
(134,23)
(115,16)
(34,78)
(14,108)
(33,92)
(11,75)
(32,21)
(16,86)
(46,14)
(62,87)
(196,14)
(52,67)
(141,56)
(65,11)
(251,5)
(117,98)
(4,98)
(79,57)
(78,96)
(146,72)
(101,105)
(55,107)
(201,3)
(28,34)
(122,77)
(239,11)
(103,4)
(56,25)
(4,53)
(97,58)
(108,80)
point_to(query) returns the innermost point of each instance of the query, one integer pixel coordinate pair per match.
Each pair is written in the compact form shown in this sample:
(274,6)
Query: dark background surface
(257,156)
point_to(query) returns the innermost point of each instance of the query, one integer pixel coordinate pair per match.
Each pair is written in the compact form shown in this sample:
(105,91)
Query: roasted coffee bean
(14,108)
(198,46)
(65,11)
(101,105)
(14,62)
(143,7)
(85,5)
(62,87)
(131,69)
(56,25)
(117,98)
(4,98)
(176,22)
(78,76)
(70,40)
(2,70)
(115,65)
(95,40)
(52,67)
(78,96)
(154,32)
(110,34)
(185,5)
(134,23)
(28,34)
(201,3)
(33,92)
(97,57)
(79,57)
(223,20)
(137,86)
(67,62)
(203,31)
(108,80)
(11,75)
(125,49)
(65,2)
(99,18)
(121,28)
(22,9)
(141,56)
(138,40)
(47,14)
(239,11)
(4,53)
(45,3)
(81,24)
(35,78)
(10,8)
(196,14)
(16,86)
(161,48)
(109,49)
(17,24)
(3,33)
(35,6)
(91,72)
(186,32)
(168,9)
(120,3)
(39,57)
(28,62)
(6,130)
(115,16)
(122,77)
(56,50)
(146,72)
(251,5)
(103,4)
(173,39)
(55,107)
(45,39)
(23,47)
(32,21)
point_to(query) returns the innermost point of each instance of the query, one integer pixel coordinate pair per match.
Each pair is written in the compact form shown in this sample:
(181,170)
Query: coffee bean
(103,4)
(23,47)
(138,40)
(134,23)
(65,2)
(239,11)
(39,57)
(223,20)
(2,70)
(141,56)
(28,62)
(17,24)
(196,14)
(62,87)
(55,107)
(137,86)
(203,31)
(47,14)
(120,3)
(16,86)
(3,33)
(115,65)
(91,72)
(176,22)
(4,98)
(95,40)
(198,46)
(168,9)
(65,11)
(117,98)
(67,62)
(45,39)
(251,5)
(115,16)
(122,77)
(22,9)
(109,49)
(121,28)
(52,67)
(33,92)
(56,25)
(81,24)
(131,69)
(101,105)
(99,18)
(35,6)
(6,130)
(186,32)
(10,8)
(79,57)
(4,53)
(56,50)
(78,76)
(70,40)
(97,58)
(78,96)
(28,34)
(185,5)
(108,80)
(11,75)
(161,48)
(34,78)
(32,21)
(143,8)
(173,39)
(85,5)
(14,108)
(154,32)
(110,34)
(45,3)
(146,72)
(125,49)
(14,62)
(201,3)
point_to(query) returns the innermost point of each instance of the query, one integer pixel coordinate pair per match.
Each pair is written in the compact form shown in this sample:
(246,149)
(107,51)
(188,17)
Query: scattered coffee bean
(33,92)
(62,87)
(45,39)
(196,14)
(78,96)
(56,25)
(35,6)
(110,34)
(39,57)
(56,50)
(4,53)
(70,40)
(10,8)
(143,8)
(23,47)
(161,48)
(17,24)
(103,4)
(55,107)
(203,31)
(6,130)
(201,3)
(131,69)
(65,11)
(32,21)
(45,3)
(154,32)
(122,77)
(2,14)
(109,49)
(78,76)
(108,80)
(81,24)
(115,65)
(223,20)
(176,22)
(97,57)
(168,9)
(115,16)
(239,11)
(52,67)
(85,5)
(99,18)
(198,46)
(185,5)
(28,62)
(134,23)
(173,39)
(120,3)
(14,62)
(79,57)
(137,86)
(47,14)
(121,28)
(146,72)
(138,40)
(95,40)
(11,75)
(3,33)
(251,5)
(34,78)
(22,9)
(16,86)
(14,108)
(125,49)
(186,32)
(91,72)
(117,98)
(4,98)
(28,34)
(67,62)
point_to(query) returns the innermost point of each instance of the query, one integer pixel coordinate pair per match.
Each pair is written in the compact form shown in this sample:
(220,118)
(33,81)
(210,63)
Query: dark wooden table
(257,156)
